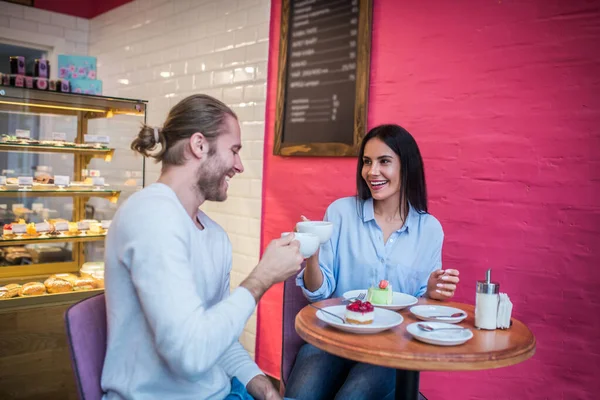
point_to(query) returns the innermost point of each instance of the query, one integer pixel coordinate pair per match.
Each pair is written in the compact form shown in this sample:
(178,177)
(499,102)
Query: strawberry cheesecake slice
(360,313)
(7,230)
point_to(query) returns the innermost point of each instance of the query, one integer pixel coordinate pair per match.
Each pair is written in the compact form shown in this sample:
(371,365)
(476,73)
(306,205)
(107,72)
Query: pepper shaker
(486,303)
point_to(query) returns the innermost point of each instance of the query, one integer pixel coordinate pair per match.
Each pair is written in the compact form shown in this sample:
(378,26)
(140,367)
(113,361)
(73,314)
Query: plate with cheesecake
(383,296)
(359,317)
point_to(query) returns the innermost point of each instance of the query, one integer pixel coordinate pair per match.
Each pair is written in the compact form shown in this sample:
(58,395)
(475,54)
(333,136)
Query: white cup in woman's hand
(309,242)
(323,229)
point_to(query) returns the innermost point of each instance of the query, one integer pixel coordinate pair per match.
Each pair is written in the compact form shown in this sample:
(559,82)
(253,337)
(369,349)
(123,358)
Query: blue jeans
(239,392)
(318,375)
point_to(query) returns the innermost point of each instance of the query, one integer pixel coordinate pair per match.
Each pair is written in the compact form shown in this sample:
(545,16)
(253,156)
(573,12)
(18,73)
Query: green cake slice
(381,296)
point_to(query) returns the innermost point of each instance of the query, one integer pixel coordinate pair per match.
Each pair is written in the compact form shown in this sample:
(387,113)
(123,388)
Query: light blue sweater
(173,328)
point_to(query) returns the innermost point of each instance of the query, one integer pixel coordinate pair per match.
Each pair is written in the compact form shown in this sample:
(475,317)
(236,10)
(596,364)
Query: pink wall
(502,98)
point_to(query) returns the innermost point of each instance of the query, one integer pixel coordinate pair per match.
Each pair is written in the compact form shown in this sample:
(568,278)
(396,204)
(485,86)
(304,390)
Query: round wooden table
(396,348)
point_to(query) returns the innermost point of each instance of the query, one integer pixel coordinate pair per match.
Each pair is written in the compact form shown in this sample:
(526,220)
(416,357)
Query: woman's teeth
(378,183)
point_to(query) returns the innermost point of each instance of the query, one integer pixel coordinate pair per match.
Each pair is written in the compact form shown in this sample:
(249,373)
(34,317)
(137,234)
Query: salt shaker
(486,303)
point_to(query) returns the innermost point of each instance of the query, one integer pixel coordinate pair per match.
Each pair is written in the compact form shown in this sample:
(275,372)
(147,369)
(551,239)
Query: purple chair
(86,333)
(293,302)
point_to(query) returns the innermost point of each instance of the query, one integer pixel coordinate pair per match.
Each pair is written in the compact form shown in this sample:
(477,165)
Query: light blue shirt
(356,257)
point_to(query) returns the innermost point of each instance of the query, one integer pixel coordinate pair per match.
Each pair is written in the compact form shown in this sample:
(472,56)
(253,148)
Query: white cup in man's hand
(309,242)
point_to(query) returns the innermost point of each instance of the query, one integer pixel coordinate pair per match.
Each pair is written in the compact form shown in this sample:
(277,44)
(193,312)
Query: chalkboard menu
(323,77)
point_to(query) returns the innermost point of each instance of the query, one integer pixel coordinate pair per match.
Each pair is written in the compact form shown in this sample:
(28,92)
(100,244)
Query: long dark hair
(413,189)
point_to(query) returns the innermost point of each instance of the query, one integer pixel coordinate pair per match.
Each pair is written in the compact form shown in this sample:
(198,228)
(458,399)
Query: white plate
(399,300)
(384,319)
(426,313)
(440,338)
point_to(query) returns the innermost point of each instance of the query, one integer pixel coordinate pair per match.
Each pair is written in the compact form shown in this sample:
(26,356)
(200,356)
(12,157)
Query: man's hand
(261,388)
(280,260)
(442,284)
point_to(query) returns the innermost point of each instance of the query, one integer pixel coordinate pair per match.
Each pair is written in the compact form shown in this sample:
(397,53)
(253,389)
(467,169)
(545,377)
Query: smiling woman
(383,233)
(390,167)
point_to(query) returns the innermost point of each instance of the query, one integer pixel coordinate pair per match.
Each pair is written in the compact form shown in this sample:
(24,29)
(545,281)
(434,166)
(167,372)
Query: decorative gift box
(76,67)
(86,86)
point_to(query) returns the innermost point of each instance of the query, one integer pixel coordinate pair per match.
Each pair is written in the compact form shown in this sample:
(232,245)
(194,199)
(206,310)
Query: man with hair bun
(173,326)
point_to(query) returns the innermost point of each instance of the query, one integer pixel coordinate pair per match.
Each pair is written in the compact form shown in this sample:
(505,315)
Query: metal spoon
(455,315)
(328,313)
(429,328)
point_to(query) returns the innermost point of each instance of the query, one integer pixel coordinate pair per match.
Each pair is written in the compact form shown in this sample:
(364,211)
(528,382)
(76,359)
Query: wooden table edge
(417,364)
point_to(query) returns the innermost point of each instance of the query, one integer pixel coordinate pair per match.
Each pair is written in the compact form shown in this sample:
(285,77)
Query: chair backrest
(86,333)
(293,302)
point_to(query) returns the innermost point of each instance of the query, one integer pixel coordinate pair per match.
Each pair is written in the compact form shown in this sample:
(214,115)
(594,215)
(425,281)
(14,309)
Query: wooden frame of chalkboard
(323,80)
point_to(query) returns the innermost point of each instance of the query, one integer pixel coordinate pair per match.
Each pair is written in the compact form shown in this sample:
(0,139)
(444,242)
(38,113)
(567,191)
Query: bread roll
(57,285)
(71,278)
(9,291)
(85,284)
(32,289)
(99,278)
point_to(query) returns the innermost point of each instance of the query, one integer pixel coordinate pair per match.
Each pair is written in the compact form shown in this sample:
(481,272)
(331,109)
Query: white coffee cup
(309,242)
(323,229)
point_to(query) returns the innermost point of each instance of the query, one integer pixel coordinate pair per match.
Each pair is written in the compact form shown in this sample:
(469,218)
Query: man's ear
(198,145)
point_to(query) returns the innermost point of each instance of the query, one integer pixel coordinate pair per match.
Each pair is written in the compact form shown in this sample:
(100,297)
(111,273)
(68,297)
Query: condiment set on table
(377,314)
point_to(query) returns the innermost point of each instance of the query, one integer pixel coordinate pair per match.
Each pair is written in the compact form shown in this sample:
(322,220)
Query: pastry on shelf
(9,291)
(52,231)
(32,289)
(7,232)
(73,230)
(89,268)
(58,225)
(43,179)
(56,284)
(99,278)
(31,232)
(57,143)
(16,255)
(96,228)
(85,283)
(8,138)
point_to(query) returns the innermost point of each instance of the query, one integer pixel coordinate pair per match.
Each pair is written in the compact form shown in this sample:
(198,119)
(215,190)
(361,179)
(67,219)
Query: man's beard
(210,179)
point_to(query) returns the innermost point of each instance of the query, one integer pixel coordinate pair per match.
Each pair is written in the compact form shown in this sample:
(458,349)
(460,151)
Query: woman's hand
(303,218)
(442,284)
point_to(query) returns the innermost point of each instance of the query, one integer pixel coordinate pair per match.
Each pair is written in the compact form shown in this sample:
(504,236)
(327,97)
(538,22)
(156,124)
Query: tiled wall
(58,33)
(169,49)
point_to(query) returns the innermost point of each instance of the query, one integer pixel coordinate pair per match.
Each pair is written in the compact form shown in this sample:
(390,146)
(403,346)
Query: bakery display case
(65,167)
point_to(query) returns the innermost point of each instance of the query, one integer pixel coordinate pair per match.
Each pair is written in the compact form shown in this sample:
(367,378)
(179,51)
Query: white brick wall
(56,33)
(169,49)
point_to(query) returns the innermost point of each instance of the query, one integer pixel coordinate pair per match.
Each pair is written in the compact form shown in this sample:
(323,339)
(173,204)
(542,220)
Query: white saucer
(384,320)
(399,300)
(440,338)
(426,312)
